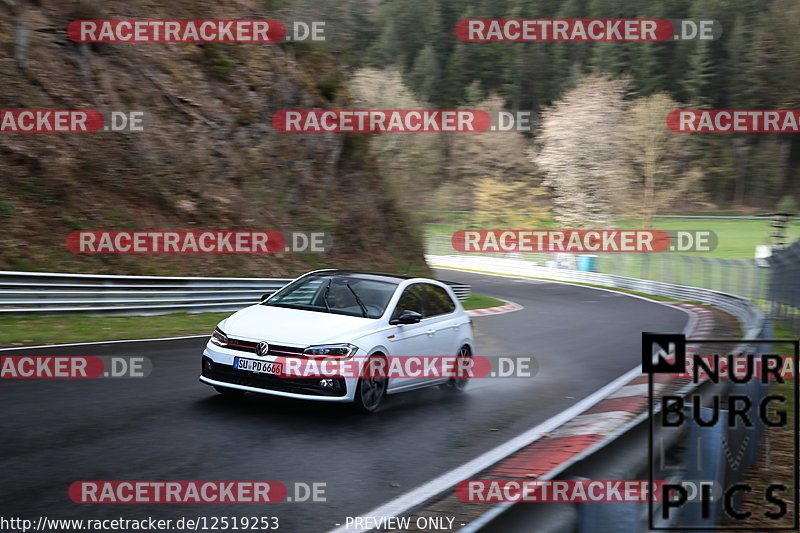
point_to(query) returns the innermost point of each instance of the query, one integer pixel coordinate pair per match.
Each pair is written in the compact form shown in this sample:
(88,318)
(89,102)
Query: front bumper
(217,370)
(223,375)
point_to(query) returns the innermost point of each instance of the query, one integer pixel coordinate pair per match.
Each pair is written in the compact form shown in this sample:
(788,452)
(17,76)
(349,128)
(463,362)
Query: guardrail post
(645,273)
(757,391)
(704,463)
(609,516)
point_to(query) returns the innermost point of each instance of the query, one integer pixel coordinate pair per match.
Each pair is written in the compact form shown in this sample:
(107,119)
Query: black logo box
(678,341)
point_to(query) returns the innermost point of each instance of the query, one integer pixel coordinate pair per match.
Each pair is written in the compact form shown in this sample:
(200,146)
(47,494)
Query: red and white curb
(549,448)
(704,322)
(570,441)
(590,428)
(509,307)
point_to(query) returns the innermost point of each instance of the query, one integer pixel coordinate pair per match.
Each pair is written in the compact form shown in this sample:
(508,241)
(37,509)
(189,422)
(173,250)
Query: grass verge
(479,301)
(32,330)
(24,331)
(737,239)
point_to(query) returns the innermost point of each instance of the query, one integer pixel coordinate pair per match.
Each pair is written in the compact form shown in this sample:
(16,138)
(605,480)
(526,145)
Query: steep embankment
(209,158)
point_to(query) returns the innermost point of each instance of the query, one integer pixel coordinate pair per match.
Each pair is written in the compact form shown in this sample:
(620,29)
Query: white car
(344,315)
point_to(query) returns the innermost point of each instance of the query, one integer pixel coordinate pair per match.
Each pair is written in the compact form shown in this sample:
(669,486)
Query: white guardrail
(616,453)
(743,309)
(52,293)
(37,292)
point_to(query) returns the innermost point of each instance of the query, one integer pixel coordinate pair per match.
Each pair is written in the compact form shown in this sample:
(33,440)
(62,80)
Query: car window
(303,294)
(437,301)
(338,294)
(411,299)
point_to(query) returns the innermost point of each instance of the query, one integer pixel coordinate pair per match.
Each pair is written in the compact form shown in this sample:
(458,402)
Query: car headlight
(219,338)
(331,350)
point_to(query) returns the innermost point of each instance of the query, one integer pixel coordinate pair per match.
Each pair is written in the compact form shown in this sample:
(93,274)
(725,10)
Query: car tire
(456,385)
(228,392)
(370,390)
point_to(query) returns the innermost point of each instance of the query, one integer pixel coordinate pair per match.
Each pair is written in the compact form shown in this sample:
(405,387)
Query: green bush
(7,209)
(217,60)
(787,205)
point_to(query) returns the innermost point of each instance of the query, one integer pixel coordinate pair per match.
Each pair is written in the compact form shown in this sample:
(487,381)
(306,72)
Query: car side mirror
(264,297)
(407,317)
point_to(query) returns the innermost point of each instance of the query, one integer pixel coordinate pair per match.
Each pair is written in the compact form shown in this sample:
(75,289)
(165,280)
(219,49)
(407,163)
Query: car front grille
(228,374)
(274,349)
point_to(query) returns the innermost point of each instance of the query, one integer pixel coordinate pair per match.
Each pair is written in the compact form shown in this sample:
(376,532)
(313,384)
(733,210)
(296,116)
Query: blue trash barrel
(587,263)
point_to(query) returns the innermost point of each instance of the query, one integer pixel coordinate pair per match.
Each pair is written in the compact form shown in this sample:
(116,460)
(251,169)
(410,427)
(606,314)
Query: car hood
(281,325)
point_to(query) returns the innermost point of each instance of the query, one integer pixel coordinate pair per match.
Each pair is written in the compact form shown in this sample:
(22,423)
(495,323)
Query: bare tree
(500,202)
(492,168)
(410,161)
(457,178)
(657,156)
(582,152)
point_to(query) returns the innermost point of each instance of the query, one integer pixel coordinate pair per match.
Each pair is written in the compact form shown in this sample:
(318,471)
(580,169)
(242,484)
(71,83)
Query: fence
(773,283)
(51,293)
(742,308)
(623,457)
(784,285)
(33,292)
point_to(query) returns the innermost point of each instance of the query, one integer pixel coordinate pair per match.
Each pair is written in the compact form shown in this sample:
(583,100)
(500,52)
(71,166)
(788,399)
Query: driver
(340,297)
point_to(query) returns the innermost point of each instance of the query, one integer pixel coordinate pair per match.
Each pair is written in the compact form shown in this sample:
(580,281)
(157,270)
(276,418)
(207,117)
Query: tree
(751,65)
(506,203)
(657,156)
(479,161)
(582,152)
(787,205)
(424,78)
(410,162)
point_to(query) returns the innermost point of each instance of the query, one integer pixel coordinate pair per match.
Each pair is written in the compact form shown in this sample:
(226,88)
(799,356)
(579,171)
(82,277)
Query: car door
(409,339)
(441,319)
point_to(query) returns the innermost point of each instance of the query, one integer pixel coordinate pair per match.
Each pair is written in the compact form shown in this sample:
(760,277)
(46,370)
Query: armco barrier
(624,456)
(52,293)
(45,293)
(614,459)
(744,310)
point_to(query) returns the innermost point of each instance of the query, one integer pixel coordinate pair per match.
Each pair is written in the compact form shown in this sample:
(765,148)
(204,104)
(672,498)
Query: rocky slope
(209,157)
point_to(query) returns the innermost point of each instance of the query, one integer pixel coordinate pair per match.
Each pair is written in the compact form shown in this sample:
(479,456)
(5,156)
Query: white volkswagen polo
(344,315)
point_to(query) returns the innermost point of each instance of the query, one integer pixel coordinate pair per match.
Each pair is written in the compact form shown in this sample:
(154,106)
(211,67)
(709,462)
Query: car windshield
(343,294)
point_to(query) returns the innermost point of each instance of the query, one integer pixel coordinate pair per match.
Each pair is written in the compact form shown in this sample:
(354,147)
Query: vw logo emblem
(262,348)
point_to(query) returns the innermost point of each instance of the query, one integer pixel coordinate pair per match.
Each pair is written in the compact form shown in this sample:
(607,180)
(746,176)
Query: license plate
(260,367)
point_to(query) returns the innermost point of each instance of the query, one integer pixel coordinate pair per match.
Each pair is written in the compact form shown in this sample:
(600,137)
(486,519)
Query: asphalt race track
(169,426)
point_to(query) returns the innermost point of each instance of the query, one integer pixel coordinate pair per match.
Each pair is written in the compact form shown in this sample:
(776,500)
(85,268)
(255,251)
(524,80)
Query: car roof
(378,276)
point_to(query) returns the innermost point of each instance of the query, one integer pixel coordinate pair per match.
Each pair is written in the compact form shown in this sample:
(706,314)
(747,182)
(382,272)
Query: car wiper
(363,307)
(325,295)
